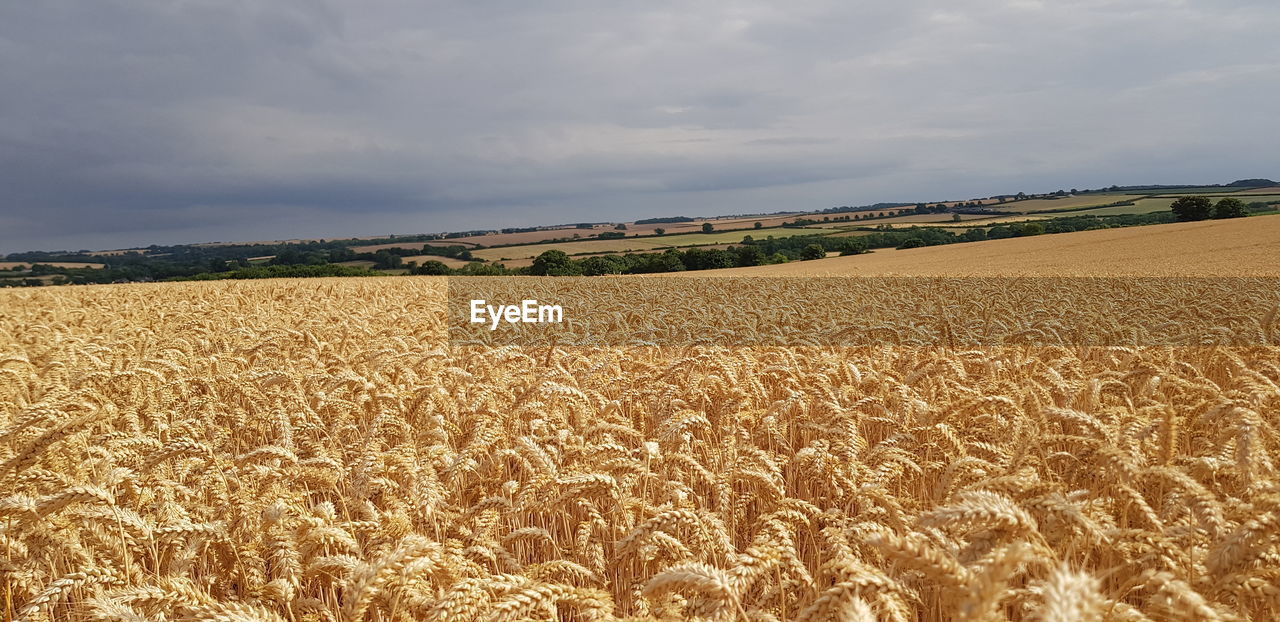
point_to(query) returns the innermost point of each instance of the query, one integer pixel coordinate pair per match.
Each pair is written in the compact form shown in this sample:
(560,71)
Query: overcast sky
(131,122)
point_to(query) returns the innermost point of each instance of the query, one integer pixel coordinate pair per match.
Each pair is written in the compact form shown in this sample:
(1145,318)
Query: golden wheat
(315,450)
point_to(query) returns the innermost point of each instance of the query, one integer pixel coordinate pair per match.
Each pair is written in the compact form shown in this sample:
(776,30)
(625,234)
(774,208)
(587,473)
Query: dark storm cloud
(139,121)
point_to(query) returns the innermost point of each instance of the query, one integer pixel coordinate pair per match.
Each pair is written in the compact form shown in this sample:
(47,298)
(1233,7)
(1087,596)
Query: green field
(1141,206)
(1160,204)
(1070,202)
(642,244)
(1203,190)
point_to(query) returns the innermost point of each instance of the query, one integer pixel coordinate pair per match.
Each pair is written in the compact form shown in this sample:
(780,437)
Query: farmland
(1065,203)
(23,265)
(315,450)
(1246,246)
(641,244)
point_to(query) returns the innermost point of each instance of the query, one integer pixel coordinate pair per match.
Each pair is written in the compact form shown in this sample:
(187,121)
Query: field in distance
(641,244)
(24,265)
(1240,247)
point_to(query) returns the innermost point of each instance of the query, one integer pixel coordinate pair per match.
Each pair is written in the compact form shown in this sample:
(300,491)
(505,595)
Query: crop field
(1068,202)
(373,248)
(641,244)
(23,265)
(694,226)
(1141,206)
(910,219)
(1242,246)
(316,450)
(452,262)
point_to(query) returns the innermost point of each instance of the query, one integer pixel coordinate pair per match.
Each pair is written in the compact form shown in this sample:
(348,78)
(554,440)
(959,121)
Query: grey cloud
(138,121)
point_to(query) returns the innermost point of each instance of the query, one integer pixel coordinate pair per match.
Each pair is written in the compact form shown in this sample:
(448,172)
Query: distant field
(988,221)
(448,261)
(914,219)
(1070,202)
(373,248)
(1240,247)
(1212,191)
(641,244)
(1141,206)
(1160,204)
(9,265)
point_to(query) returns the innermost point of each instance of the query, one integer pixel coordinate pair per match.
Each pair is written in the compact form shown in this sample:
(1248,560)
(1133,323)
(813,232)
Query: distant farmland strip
(641,244)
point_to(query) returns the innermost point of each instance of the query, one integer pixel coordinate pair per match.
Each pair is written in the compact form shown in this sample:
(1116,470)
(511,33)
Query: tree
(432,267)
(621,226)
(707,228)
(1031,228)
(596,266)
(758,225)
(853,246)
(554,263)
(956,218)
(669,261)
(659,230)
(748,255)
(384,260)
(1192,208)
(999,232)
(1230,207)
(813,251)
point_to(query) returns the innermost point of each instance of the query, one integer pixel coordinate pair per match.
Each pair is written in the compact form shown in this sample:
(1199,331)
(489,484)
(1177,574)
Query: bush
(432,267)
(1192,208)
(1031,228)
(1230,207)
(554,263)
(813,251)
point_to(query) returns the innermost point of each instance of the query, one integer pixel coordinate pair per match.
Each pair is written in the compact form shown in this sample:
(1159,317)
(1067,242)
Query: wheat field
(314,450)
(1210,248)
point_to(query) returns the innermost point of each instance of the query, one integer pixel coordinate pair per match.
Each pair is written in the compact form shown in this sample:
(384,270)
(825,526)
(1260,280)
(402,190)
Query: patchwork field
(641,244)
(1068,202)
(1244,246)
(448,261)
(10,265)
